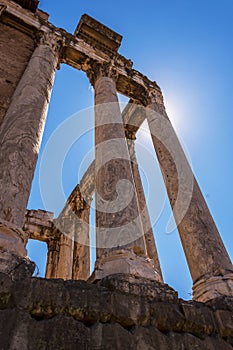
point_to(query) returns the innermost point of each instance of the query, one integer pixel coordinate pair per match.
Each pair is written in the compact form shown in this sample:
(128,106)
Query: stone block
(166,317)
(97,34)
(139,286)
(225,322)
(199,320)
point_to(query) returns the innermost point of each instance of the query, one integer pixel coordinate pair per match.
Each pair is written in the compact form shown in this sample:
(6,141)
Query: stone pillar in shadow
(20,137)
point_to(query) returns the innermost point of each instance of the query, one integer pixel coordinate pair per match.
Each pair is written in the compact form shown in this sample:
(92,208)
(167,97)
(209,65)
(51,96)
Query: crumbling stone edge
(135,310)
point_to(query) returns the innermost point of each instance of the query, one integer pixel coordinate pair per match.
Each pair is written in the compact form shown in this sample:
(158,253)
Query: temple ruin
(124,303)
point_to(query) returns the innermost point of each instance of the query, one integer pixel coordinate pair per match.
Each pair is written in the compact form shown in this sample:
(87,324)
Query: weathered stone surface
(225,323)
(118,222)
(26,333)
(53,256)
(22,130)
(143,210)
(123,261)
(213,287)
(12,238)
(28,4)
(200,319)
(12,65)
(139,286)
(13,260)
(97,34)
(221,303)
(204,250)
(39,224)
(120,312)
(81,254)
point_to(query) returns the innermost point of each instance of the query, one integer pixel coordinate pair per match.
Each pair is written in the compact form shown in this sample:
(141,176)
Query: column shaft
(81,256)
(52,258)
(145,217)
(205,252)
(21,133)
(65,260)
(120,239)
(118,222)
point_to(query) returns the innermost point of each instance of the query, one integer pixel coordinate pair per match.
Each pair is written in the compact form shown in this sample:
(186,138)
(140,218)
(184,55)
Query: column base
(124,261)
(13,260)
(12,238)
(213,287)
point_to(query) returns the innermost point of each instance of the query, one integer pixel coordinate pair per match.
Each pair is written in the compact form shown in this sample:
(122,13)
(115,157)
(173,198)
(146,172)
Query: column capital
(78,201)
(130,133)
(151,96)
(96,70)
(51,40)
(155,96)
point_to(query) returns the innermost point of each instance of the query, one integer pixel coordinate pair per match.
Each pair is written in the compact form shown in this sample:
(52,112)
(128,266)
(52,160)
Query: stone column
(52,258)
(209,264)
(20,136)
(22,130)
(66,248)
(145,217)
(119,235)
(81,255)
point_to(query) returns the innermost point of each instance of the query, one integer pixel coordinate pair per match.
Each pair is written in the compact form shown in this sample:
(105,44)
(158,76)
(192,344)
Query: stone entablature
(77,51)
(28,4)
(39,224)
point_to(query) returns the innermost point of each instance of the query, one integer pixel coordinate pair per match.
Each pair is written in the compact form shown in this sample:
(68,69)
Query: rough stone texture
(145,217)
(12,238)
(53,256)
(72,225)
(81,253)
(212,287)
(12,66)
(22,130)
(204,250)
(15,266)
(118,222)
(28,4)
(120,312)
(65,259)
(124,261)
(97,34)
(39,224)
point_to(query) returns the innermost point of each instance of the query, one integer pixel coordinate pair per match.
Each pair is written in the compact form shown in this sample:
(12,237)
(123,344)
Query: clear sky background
(187,48)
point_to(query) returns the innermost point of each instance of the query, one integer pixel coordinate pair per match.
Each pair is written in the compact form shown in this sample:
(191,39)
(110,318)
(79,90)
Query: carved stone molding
(76,202)
(130,134)
(151,96)
(213,287)
(96,70)
(50,39)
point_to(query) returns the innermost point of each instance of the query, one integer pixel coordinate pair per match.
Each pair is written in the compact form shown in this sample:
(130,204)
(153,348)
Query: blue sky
(187,48)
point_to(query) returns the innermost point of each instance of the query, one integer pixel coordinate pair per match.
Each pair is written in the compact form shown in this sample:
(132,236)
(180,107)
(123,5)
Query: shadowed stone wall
(120,312)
